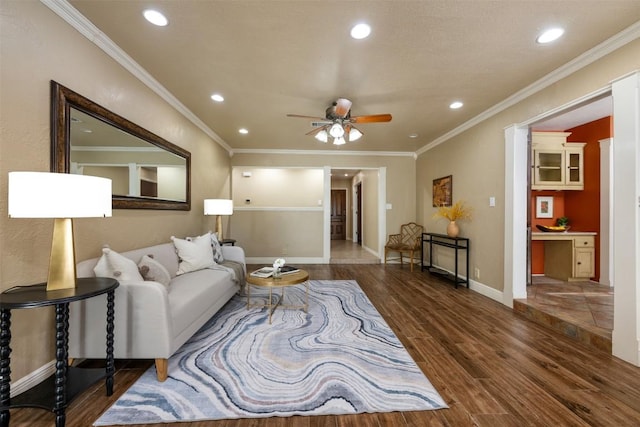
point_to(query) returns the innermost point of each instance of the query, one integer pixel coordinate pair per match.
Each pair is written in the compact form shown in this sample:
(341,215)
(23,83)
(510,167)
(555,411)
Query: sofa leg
(162,369)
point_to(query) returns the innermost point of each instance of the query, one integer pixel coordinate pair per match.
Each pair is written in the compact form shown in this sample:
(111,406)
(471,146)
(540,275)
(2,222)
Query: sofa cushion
(191,294)
(152,270)
(112,264)
(194,254)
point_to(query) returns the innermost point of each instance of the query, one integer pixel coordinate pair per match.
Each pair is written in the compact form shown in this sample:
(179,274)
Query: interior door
(338,214)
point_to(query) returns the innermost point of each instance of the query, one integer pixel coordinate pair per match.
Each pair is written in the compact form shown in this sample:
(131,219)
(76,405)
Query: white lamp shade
(354,134)
(322,136)
(58,195)
(339,141)
(218,207)
(336,130)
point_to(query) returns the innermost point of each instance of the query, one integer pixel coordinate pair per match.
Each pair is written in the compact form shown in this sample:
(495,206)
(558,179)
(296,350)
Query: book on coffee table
(287,269)
(263,272)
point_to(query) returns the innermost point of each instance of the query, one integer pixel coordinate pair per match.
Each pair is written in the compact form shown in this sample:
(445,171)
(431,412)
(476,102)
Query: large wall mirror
(147,172)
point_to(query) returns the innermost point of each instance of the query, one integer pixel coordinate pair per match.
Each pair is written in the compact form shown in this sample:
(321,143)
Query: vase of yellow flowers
(458,212)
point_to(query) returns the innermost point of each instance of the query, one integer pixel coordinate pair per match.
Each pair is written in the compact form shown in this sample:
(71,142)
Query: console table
(57,391)
(457,244)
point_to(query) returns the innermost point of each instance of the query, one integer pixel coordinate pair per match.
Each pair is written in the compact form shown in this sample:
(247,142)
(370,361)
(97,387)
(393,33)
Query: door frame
(625,205)
(381,206)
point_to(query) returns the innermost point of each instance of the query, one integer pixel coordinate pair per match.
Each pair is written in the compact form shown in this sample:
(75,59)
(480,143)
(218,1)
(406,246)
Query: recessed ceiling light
(413,135)
(360,31)
(243,131)
(155,17)
(455,105)
(217,97)
(550,35)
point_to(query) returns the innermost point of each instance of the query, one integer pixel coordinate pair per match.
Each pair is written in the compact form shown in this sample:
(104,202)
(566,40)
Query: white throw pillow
(112,264)
(217,249)
(194,254)
(154,271)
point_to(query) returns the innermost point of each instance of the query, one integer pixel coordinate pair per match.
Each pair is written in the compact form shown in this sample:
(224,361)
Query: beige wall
(36,47)
(400,183)
(278,211)
(476,159)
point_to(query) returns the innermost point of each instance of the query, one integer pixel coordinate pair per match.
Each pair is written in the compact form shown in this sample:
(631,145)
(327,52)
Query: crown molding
(85,27)
(326,152)
(610,45)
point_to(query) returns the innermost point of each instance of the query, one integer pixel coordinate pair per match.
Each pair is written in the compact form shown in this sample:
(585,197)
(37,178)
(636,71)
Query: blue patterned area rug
(340,358)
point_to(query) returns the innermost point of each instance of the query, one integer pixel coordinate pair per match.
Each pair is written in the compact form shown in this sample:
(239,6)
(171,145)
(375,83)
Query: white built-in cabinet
(556,163)
(568,256)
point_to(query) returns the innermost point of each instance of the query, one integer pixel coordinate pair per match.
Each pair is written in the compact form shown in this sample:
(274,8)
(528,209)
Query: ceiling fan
(338,123)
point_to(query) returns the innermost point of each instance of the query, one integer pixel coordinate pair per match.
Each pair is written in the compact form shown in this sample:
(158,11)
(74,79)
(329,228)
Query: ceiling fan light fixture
(354,134)
(336,131)
(339,141)
(322,136)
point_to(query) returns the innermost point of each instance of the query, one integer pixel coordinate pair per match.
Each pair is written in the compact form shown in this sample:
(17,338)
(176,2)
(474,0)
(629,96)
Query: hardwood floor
(492,366)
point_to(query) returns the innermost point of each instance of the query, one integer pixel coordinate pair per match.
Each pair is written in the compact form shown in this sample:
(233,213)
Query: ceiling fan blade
(343,106)
(317,130)
(374,118)
(307,117)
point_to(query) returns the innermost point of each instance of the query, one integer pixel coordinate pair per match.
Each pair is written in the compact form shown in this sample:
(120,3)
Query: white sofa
(152,320)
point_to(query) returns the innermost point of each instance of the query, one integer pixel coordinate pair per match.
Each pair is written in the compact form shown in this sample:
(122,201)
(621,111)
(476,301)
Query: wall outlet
(477,272)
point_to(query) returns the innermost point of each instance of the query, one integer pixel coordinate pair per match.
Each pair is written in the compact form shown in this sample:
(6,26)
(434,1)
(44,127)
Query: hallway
(348,252)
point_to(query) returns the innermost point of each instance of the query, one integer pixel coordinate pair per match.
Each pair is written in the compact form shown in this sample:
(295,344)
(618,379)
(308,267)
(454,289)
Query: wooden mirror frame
(62,100)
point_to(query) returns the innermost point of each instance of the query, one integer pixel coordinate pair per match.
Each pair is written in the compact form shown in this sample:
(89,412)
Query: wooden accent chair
(407,242)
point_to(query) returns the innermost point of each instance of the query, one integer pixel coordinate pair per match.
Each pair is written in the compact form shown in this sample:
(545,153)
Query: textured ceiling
(270,58)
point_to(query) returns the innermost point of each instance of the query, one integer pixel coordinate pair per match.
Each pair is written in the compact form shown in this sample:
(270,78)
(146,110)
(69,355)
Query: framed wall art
(544,207)
(442,190)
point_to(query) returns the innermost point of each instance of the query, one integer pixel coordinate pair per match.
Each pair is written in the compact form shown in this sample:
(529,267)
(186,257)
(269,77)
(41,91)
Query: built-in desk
(568,256)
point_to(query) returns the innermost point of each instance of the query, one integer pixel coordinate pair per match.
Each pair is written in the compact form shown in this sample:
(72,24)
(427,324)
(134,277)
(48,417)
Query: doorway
(365,227)
(626,147)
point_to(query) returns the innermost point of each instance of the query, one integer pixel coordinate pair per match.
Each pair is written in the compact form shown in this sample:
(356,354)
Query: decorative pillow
(112,264)
(194,254)
(153,270)
(217,249)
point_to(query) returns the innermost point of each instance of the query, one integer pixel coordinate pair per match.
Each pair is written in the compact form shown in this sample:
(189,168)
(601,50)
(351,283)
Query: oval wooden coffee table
(281,282)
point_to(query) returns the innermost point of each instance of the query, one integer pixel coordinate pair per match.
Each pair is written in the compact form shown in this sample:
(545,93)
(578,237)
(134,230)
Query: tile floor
(581,310)
(348,252)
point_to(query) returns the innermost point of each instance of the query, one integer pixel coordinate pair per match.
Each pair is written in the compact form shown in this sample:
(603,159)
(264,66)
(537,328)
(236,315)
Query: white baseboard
(295,260)
(480,288)
(487,291)
(33,379)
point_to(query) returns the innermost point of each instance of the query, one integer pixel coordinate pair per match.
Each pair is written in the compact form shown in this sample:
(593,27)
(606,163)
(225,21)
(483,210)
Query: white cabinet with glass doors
(556,164)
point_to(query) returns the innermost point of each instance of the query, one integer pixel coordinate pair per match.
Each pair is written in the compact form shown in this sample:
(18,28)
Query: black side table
(457,244)
(57,391)
(230,242)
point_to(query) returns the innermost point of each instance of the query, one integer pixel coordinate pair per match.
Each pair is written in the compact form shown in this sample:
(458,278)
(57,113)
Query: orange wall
(581,207)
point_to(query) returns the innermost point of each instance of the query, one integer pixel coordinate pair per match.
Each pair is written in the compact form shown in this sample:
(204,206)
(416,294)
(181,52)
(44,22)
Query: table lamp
(218,207)
(60,196)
